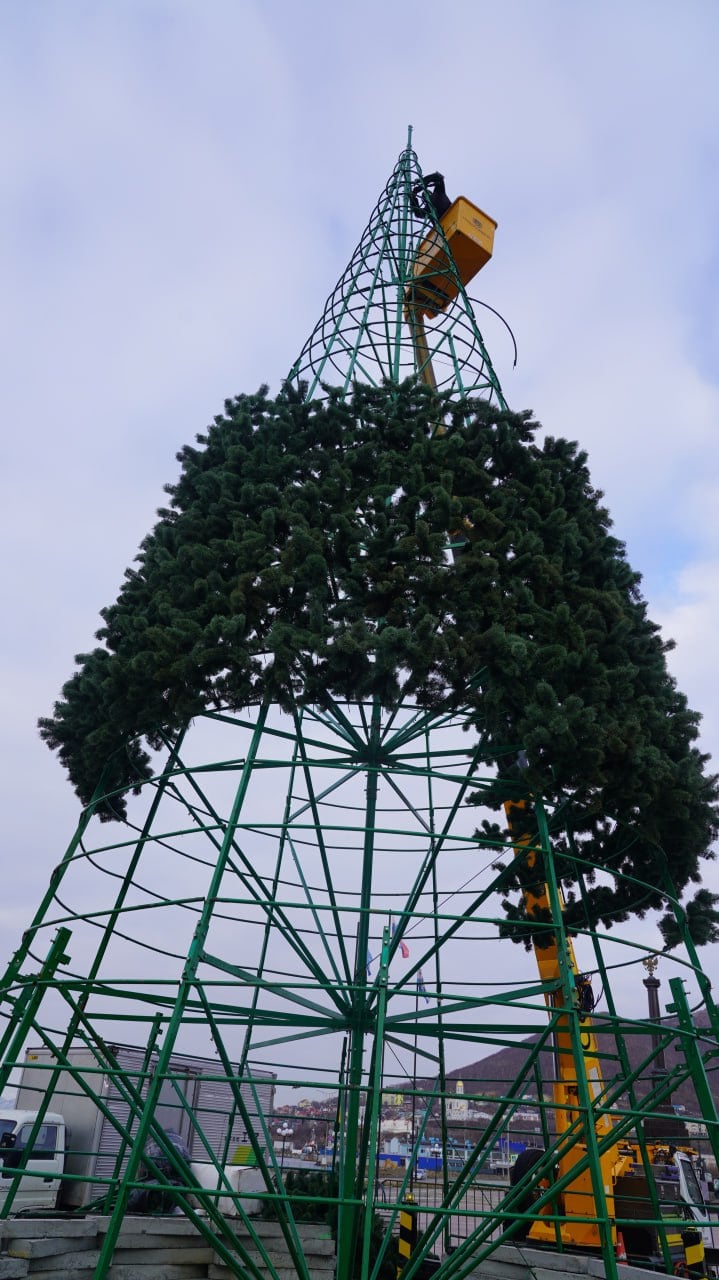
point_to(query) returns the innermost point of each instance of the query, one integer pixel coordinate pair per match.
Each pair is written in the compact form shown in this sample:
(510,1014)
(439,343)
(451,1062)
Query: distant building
(458,1106)
(396,1126)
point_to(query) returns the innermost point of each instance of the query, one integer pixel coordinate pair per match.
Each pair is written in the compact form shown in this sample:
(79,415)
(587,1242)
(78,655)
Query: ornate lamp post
(652,985)
(656,1126)
(284,1132)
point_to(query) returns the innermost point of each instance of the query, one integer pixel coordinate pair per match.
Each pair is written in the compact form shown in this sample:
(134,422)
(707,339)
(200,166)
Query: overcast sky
(183,182)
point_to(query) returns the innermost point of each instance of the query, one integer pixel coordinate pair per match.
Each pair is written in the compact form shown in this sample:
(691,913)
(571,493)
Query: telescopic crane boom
(623,1183)
(459,244)
(578,1198)
(457,247)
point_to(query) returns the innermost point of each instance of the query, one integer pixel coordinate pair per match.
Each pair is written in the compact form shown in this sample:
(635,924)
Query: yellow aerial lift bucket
(469,233)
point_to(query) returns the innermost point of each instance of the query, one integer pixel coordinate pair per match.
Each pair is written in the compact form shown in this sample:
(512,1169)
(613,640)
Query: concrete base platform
(518,1262)
(69,1249)
(170,1248)
(149,1248)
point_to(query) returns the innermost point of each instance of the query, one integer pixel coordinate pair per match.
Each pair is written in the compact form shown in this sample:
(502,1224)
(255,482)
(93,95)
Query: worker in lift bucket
(429,196)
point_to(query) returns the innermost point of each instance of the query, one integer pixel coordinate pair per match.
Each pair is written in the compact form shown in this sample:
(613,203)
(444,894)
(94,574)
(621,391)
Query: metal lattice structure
(365,333)
(303,901)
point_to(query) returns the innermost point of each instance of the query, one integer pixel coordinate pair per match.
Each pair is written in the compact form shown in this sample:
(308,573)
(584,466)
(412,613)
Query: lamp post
(327,1138)
(656,1126)
(284,1132)
(652,985)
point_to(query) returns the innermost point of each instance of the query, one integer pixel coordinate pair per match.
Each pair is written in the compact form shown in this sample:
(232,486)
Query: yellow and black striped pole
(407,1230)
(694,1253)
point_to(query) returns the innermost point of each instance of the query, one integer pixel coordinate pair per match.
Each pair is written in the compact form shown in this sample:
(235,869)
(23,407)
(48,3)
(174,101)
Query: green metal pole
(152,1039)
(284,1211)
(351,1176)
(705,985)
(37,986)
(188,979)
(570,1013)
(442,1073)
(695,1062)
(546,1139)
(58,873)
(626,1072)
(339,1110)
(376,1101)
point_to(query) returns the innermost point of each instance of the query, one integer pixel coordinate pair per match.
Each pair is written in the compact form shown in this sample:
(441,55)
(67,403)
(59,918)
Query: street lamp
(284,1132)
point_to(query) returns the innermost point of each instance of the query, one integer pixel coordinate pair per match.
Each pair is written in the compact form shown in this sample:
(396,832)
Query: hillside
(493,1076)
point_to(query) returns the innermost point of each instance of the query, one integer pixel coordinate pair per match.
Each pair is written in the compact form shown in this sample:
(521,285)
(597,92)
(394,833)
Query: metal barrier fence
(480,1201)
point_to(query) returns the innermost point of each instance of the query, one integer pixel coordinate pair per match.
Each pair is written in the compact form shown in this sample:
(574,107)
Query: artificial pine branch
(303,553)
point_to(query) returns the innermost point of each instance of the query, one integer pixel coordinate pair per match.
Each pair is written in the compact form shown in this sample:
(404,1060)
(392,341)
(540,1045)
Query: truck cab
(680,1196)
(693,1195)
(39,1181)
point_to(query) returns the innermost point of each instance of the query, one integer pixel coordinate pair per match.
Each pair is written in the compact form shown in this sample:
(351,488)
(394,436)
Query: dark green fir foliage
(702,921)
(304,554)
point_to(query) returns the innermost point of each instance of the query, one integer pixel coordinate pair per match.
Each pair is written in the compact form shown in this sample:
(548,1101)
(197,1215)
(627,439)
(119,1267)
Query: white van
(40,1182)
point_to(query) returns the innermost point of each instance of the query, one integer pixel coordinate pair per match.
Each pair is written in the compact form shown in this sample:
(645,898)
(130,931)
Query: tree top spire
(400,307)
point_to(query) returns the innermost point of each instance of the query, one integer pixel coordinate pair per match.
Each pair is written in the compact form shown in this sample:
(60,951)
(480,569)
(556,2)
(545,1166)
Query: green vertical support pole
(402,261)
(17,960)
(339,1109)
(126,885)
(145,836)
(583,1092)
(15,964)
(703,981)
(695,1062)
(55,956)
(352,1178)
(442,1067)
(37,987)
(76,1020)
(442,1064)
(79,1010)
(19,1004)
(192,963)
(112,919)
(627,1072)
(284,1213)
(254,999)
(155,1029)
(547,1140)
(376,1097)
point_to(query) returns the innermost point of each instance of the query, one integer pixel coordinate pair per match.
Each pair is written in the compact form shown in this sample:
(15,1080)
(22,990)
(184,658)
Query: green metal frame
(324,827)
(364,334)
(255,906)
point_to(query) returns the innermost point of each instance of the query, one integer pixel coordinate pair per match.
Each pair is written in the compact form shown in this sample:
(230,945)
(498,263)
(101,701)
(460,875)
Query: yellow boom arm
(578,1198)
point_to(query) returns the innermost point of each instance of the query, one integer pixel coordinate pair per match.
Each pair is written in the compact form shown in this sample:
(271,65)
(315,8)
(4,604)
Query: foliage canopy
(304,554)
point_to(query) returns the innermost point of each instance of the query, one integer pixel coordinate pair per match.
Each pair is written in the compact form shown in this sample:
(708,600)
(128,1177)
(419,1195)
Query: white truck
(78,1140)
(40,1184)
